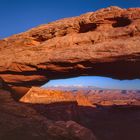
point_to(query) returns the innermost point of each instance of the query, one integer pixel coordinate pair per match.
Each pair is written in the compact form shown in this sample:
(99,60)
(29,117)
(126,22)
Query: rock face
(105,43)
(70,131)
(43,96)
(20,121)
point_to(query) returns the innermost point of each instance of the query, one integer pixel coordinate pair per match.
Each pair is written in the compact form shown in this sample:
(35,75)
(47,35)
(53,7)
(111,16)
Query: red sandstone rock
(105,43)
(21,121)
(70,131)
(45,96)
(113,97)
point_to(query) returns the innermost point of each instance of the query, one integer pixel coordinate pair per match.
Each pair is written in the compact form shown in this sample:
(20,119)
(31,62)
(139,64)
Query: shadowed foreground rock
(20,121)
(105,43)
(70,131)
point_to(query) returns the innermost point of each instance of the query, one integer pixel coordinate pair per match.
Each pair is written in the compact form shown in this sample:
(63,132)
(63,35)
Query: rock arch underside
(104,43)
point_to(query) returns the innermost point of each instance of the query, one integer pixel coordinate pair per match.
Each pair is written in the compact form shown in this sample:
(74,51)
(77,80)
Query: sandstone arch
(105,43)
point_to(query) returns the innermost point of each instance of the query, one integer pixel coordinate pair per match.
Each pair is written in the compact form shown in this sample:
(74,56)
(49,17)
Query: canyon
(107,113)
(55,114)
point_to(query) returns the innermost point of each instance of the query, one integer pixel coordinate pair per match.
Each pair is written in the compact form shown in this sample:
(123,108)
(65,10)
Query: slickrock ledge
(105,43)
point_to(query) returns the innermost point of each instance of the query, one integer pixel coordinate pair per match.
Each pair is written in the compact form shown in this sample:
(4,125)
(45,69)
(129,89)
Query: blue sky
(19,15)
(97,81)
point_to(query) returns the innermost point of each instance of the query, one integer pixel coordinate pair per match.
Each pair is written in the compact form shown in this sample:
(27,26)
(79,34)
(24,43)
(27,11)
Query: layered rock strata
(105,43)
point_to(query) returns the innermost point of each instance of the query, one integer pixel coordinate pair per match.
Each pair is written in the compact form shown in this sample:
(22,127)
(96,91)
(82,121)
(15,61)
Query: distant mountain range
(75,87)
(80,87)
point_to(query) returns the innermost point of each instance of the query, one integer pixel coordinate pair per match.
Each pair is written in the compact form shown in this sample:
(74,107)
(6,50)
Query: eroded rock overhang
(104,43)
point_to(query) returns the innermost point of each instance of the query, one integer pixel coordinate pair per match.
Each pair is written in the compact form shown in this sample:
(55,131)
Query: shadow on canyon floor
(22,121)
(111,122)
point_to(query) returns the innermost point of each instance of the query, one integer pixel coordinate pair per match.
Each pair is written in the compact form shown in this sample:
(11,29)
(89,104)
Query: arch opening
(94,82)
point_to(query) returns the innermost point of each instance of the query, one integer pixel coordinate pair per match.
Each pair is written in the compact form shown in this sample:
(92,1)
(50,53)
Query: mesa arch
(105,43)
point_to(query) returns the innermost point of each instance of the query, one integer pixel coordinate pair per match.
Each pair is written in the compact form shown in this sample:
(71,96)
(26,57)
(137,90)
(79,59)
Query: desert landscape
(103,43)
(59,114)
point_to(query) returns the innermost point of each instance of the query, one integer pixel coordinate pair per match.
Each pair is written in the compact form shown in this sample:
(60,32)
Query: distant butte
(45,96)
(105,43)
